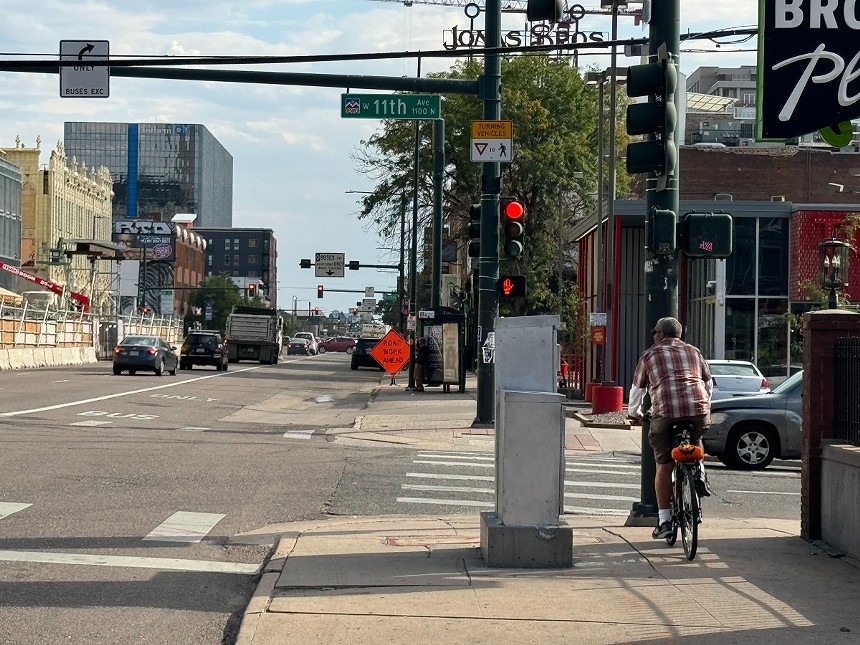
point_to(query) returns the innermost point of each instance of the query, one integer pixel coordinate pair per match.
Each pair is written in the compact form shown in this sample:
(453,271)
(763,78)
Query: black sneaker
(664,530)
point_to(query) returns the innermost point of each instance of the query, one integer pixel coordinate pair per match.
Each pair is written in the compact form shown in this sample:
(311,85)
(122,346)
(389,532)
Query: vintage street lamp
(833,265)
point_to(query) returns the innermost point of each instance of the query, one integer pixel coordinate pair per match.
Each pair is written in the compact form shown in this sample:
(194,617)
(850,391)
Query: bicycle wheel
(689,513)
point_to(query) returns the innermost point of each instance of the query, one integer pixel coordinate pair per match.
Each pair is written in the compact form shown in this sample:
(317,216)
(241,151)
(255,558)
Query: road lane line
(107,397)
(90,424)
(184,526)
(173,564)
(7,508)
(762,492)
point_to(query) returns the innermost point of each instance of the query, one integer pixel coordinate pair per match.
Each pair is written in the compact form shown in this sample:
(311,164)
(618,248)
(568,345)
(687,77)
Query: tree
(223,293)
(553,170)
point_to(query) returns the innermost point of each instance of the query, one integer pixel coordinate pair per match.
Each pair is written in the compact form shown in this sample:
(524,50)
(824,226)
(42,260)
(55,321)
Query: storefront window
(773,257)
(772,336)
(740,329)
(741,264)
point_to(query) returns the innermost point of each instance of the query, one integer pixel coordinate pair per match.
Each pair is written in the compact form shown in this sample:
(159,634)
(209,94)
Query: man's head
(667,328)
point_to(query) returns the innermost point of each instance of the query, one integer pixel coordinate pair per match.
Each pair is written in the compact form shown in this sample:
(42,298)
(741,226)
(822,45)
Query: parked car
(337,344)
(748,432)
(736,378)
(361,354)
(299,346)
(204,347)
(145,354)
(312,341)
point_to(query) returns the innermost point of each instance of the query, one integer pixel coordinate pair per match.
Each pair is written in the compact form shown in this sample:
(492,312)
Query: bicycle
(686,477)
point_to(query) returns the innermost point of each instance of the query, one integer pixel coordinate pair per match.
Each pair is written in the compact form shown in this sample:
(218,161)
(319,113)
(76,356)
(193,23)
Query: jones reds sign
(809,67)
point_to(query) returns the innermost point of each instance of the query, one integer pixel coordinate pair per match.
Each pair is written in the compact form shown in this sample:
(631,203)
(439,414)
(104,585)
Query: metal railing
(846,397)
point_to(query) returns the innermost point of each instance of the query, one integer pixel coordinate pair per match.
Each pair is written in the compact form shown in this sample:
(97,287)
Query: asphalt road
(139,509)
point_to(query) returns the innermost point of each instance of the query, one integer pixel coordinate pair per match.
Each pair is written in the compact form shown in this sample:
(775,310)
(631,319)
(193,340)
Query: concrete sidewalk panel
(4,360)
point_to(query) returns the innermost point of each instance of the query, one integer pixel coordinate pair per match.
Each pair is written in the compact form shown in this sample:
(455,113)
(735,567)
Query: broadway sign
(809,64)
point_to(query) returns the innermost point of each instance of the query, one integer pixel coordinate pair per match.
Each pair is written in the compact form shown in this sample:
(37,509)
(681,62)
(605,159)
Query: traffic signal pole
(661,271)
(488,263)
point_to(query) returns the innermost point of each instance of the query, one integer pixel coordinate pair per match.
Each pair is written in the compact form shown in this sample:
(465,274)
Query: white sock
(665,514)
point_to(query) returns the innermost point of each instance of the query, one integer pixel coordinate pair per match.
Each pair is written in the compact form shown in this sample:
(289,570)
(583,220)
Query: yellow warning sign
(492,129)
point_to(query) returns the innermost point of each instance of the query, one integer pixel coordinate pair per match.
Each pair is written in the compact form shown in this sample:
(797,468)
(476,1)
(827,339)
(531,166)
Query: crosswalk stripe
(602,485)
(184,526)
(588,510)
(453,463)
(446,502)
(299,434)
(482,478)
(475,457)
(173,564)
(611,498)
(593,465)
(448,489)
(7,508)
(195,429)
(589,471)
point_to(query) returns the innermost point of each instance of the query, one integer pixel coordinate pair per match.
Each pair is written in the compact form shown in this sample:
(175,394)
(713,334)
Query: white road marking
(453,463)
(65,380)
(602,485)
(299,434)
(475,457)
(184,526)
(446,502)
(449,489)
(482,478)
(762,492)
(195,429)
(90,424)
(106,397)
(588,464)
(173,564)
(589,471)
(587,510)
(612,498)
(7,508)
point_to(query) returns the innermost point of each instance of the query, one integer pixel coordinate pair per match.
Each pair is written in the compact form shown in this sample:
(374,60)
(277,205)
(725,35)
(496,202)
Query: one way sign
(329,265)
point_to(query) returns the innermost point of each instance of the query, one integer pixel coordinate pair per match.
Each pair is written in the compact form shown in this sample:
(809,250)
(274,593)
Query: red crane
(59,289)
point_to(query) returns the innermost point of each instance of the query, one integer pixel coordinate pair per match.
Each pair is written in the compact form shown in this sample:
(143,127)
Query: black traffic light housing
(658,118)
(513,229)
(320,291)
(706,235)
(305,263)
(475,230)
(252,290)
(551,10)
(662,227)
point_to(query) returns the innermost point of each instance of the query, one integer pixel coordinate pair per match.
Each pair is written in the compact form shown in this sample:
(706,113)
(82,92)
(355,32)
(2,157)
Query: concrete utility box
(530,468)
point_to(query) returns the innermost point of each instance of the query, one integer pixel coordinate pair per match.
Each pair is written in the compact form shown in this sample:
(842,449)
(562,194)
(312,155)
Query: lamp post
(833,267)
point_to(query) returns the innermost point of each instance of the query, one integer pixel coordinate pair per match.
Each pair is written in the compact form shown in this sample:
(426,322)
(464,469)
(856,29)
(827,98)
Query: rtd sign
(809,64)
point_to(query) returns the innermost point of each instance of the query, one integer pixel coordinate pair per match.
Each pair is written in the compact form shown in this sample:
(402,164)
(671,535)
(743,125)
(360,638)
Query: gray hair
(670,327)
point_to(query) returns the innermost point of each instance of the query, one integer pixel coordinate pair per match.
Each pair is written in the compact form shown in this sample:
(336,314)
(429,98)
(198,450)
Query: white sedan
(736,378)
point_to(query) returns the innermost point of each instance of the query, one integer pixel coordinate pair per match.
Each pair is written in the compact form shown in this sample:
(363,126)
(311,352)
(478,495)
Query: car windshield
(789,383)
(139,340)
(732,369)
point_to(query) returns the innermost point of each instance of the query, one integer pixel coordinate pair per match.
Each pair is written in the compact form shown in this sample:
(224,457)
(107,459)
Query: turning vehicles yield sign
(392,352)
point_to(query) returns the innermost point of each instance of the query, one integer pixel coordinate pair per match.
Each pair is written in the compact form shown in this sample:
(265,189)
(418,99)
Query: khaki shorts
(661,436)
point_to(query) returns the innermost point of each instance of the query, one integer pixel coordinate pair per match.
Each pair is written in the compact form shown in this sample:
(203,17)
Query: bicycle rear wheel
(689,513)
(675,505)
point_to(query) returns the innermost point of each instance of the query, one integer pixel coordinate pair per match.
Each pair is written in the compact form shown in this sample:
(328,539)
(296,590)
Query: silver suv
(313,347)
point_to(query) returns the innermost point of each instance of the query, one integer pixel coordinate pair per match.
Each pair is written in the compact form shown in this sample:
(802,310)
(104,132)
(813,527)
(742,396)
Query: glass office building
(159,169)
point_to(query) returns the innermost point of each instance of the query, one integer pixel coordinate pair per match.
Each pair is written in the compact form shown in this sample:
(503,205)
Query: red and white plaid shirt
(675,374)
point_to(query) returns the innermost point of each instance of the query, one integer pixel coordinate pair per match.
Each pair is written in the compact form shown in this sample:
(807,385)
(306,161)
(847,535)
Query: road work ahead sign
(392,352)
(808,67)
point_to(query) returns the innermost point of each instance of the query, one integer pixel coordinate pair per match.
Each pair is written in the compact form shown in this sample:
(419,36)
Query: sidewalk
(422,580)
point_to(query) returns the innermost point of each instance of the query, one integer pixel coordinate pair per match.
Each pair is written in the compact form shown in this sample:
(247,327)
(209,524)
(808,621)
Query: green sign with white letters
(391,106)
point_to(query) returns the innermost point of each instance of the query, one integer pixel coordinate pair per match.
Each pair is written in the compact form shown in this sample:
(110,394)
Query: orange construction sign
(392,352)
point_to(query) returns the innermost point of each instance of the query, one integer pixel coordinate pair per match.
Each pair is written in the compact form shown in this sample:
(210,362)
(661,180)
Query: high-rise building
(248,255)
(158,169)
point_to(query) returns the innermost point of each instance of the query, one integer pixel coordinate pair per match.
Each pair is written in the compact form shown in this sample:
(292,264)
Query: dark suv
(361,354)
(203,347)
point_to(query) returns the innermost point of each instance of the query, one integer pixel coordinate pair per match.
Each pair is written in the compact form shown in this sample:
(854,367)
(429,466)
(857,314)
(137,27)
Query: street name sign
(491,141)
(390,106)
(328,265)
(392,352)
(85,80)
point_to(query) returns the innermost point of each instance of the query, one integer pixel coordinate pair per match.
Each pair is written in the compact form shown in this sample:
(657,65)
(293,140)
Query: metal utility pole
(413,257)
(488,263)
(661,271)
(609,346)
(438,196)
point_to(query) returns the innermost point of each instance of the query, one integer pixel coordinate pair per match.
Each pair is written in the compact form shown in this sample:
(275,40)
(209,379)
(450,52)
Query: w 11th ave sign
(391,106)
(809,64)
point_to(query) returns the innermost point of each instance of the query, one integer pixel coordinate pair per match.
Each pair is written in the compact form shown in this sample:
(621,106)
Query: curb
(260,599)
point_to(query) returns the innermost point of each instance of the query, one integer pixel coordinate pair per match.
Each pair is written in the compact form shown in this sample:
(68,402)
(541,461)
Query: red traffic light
(320,291)
(512,210)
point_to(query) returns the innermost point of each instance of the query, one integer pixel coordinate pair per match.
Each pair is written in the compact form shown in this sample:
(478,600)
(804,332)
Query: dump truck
(254,333)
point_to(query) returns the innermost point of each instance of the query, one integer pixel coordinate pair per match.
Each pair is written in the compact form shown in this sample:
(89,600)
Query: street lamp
(833,267)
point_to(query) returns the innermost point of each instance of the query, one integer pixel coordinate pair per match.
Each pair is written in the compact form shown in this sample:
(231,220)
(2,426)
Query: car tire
(132,372)
(751,447)
(117,371)
(183,365)
(353,366)
(322,350)
(159,369)
(173,371)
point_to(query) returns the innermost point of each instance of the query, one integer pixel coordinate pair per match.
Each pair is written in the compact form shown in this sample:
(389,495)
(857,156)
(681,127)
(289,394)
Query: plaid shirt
(675,374)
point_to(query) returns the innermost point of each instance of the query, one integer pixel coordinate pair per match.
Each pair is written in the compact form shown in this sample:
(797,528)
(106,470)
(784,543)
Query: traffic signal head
(551,10)
(475,230)
(662,226)
(658,118)
(706,235)
(513,230)
(511,286)
(320,291)
(252,290)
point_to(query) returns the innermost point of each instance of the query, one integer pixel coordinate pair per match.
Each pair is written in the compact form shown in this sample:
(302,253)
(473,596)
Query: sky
(292,164)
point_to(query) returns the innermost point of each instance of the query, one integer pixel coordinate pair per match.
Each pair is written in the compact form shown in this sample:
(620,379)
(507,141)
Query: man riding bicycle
(679,383)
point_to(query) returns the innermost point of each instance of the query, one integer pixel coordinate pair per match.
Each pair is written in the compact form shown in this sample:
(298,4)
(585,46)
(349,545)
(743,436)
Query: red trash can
(589,391)
(607,398)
